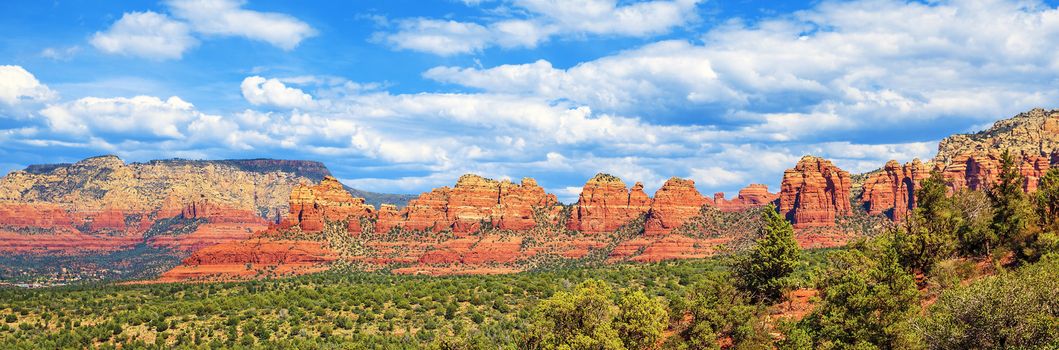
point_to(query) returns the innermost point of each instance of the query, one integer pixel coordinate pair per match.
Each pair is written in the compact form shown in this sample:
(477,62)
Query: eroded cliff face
(981,171)
(891,191)
(814,193)
(754,195)
(1034,132)
(102,204)
(605,204)
(311,206)
(673,204)
(486,226)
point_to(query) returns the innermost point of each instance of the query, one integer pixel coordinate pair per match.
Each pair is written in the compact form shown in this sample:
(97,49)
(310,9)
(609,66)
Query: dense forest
(964,270)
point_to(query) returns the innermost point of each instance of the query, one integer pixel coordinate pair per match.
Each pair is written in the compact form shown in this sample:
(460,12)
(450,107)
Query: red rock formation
(751,196)
(109,219)
(979,171)
(891,191)
(814,193)
(387,218)
(204,209)
(475,200)
(39,215)
(428,211)
(63,242)
(207,235)
(248,258)
(674,203)
(518,201)
(312,206)
(605,205)
(263,251)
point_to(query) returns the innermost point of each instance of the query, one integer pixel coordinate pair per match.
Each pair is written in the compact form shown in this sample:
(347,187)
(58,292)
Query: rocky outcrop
(205,235)
(251,258)
(673,204)
(891,191)
(605,204)
(752,196)
(476,200)
(980,171)
(814,193)
(313,206)
(1035,132)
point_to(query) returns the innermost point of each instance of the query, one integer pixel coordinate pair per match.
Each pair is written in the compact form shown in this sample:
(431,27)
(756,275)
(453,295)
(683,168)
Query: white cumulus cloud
(544,19)
(18,85)
(147,34)
(272,92)
(227,17)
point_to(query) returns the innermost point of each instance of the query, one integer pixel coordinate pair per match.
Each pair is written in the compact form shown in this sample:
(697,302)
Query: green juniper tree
(1012,214)
(928,234)
(772,259)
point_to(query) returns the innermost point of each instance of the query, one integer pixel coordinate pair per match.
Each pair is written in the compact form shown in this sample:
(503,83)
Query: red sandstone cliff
(605,204)
(673,204)
(751,196)
(814,193)
(891,191)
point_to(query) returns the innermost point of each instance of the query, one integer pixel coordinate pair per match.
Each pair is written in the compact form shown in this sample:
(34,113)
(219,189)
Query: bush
(1018,310)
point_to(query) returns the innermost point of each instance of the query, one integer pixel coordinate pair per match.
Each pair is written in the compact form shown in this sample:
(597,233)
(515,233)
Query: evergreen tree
(868,301)
(928,235)
(773,258)
(641,320)
(1012,216)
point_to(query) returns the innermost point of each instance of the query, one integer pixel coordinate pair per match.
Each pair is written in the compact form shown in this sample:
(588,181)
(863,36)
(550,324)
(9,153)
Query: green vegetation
(765,269)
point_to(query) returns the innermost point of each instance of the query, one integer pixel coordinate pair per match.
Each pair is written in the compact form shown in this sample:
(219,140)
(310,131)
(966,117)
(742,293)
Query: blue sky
(402,96)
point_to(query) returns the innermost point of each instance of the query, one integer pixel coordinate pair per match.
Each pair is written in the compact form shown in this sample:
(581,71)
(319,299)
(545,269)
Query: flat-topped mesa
(814,193)
(674,203)
(751,196)
(312,206)
(476,200)
(605,204)
(891,191)
(979,171)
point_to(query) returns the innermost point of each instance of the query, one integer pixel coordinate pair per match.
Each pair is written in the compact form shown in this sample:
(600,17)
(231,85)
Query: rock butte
(814,193)
(892,190)
(605,204)
(673,204)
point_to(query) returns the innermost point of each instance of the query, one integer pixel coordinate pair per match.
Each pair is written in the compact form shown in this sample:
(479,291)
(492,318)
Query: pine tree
(929,234)
(774,257)
(1012,217)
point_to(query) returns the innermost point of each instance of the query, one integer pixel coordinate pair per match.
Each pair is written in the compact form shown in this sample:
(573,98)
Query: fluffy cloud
(227,17)
(545,19)
(439,37)
(842,70)
(123,117)
(158,36)
(146,34)
(272,92)
(18,85)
